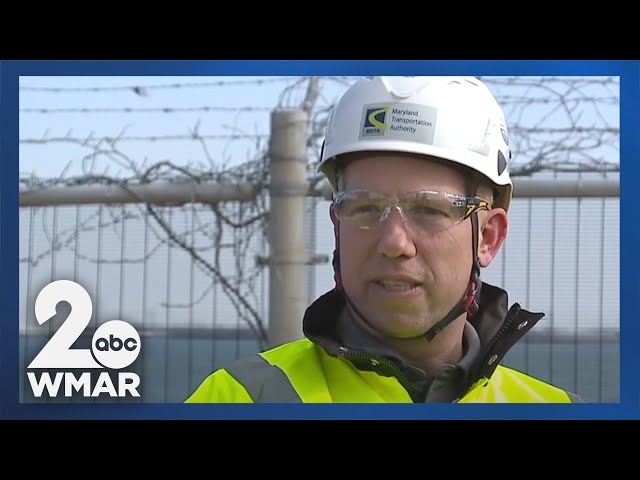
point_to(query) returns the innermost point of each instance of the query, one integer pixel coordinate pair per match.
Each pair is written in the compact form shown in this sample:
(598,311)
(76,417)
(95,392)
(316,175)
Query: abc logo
(115,344)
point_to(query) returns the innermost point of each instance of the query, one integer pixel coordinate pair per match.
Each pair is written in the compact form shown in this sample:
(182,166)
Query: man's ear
(493,232)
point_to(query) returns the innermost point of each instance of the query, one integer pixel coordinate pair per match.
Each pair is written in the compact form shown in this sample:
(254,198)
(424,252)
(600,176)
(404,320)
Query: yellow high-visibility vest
(303,372)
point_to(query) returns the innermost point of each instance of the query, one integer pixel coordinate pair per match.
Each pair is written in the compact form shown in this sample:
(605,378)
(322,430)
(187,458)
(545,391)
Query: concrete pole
(287,257)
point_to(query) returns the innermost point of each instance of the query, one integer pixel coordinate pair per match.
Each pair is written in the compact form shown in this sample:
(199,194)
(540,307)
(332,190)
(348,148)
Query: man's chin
(408,336)
(401,329)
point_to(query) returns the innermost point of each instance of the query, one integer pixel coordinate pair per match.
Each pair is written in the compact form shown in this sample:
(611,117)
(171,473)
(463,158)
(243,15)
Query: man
(420,170)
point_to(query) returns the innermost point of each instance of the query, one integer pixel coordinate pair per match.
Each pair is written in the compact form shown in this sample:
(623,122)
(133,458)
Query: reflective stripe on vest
(264,382)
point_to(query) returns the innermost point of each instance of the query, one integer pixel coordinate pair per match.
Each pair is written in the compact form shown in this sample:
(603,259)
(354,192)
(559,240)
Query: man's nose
(395,238)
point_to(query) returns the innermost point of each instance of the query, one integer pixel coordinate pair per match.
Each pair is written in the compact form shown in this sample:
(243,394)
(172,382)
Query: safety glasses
(424,211)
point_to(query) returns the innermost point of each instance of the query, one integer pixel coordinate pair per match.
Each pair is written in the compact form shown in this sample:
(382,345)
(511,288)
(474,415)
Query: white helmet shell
(453,118)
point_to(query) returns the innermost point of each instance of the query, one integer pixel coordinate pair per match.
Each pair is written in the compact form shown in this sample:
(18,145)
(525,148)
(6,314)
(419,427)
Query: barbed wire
(173,137)
(234,229)
(142,89)
(132,110)
(91,140)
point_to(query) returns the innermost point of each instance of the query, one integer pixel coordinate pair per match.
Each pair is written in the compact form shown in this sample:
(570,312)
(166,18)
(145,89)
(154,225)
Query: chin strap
(469,302)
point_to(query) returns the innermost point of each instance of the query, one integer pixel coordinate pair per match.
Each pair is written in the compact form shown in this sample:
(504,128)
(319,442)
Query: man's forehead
(345,160)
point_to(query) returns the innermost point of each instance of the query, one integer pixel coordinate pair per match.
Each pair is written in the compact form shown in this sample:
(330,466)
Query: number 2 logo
(118,343)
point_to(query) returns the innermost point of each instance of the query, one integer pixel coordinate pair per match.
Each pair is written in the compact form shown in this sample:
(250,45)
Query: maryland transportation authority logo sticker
(399,121)
(375,121)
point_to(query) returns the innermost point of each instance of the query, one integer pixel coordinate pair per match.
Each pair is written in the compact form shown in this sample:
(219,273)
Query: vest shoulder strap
(265,383)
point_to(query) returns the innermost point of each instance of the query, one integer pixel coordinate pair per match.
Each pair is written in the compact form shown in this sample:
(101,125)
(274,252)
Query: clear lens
(424,211)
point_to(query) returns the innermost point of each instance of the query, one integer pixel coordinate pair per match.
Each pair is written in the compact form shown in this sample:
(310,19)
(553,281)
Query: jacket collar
(488,336)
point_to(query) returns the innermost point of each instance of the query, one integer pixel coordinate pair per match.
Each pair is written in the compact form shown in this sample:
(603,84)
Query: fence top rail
(210,192)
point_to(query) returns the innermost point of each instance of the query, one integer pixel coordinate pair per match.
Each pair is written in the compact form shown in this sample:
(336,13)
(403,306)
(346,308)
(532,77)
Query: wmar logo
(115,345)
(375,121)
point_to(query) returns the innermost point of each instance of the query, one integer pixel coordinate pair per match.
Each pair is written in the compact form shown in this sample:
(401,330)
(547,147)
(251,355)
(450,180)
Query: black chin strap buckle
(471,305)
(471,302)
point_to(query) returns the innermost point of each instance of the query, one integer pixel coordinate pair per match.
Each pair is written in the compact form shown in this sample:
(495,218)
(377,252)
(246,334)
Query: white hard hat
(453,118)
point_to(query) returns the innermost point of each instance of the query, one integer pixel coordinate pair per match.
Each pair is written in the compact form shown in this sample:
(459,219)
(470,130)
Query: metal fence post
(287,257)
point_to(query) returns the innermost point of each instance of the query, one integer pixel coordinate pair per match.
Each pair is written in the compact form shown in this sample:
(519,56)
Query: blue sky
(257,100)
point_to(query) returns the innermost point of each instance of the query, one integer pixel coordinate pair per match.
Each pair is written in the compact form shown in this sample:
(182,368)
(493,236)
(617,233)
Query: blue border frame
(10,71)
